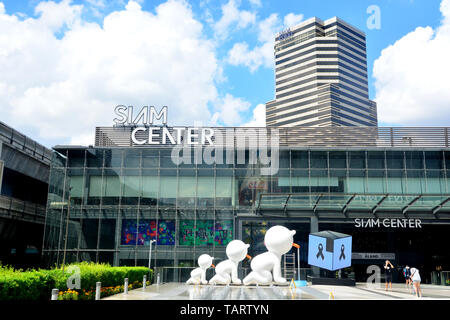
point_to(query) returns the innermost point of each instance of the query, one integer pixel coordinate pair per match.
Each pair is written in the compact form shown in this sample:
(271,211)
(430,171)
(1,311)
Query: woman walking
(407,275)
(415,277)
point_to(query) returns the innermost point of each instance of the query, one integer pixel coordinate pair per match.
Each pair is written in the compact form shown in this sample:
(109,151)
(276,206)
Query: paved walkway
(181,291)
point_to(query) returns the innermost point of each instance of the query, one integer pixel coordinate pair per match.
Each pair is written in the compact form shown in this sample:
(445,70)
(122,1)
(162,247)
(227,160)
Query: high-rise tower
(321,77)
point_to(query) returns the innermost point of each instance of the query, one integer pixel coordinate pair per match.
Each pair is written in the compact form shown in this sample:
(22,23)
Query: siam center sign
(148,127)
(126,116)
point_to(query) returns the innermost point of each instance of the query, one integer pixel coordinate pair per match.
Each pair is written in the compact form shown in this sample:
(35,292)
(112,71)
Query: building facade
(321,76)
(24,174)
(392,195)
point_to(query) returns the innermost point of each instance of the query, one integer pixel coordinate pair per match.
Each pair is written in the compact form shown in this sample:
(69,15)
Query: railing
(21,142)
(356,137)
(22,210)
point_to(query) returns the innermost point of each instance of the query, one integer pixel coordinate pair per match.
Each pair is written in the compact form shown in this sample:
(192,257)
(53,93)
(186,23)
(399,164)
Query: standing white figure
(236,252)
(278,241)
(198,275)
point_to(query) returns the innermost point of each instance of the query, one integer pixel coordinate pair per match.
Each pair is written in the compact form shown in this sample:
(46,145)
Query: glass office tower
(110,201)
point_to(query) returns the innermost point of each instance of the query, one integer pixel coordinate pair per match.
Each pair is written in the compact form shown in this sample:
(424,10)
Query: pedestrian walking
(388,270)
(407,275)
(415,277)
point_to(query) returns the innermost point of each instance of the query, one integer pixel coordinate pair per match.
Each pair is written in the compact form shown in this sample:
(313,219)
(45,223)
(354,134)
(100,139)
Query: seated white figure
(226,271)
(198,275)
(278,241)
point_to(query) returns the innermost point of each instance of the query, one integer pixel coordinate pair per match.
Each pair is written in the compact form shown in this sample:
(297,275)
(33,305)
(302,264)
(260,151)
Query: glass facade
(120,198)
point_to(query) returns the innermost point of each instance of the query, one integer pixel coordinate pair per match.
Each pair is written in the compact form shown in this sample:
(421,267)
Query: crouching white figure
(226,271)
(278,241)
(198,275)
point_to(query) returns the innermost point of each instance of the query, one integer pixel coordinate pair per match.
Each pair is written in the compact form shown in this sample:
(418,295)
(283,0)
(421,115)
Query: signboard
(373,256)
(144,131)
(329,250)
(284,34)
(388,223)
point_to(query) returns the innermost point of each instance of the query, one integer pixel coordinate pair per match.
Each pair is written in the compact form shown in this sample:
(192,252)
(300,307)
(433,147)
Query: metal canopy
(344,203)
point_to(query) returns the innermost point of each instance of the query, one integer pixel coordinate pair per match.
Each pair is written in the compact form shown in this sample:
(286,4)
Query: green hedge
(37,284)
(29,285)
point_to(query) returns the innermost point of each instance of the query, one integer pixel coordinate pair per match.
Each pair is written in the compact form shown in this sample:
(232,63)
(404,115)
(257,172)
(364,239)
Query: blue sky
(239,87)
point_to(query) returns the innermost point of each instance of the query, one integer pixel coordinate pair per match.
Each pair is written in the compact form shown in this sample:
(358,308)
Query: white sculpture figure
(198,275)
(236,252)
(278,241)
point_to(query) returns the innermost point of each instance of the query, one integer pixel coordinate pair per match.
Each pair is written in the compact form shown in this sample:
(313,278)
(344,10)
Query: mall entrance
(425,248)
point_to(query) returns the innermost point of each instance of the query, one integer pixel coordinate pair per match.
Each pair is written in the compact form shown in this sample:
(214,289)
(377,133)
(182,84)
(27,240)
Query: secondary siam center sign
(388,223)
(159,134)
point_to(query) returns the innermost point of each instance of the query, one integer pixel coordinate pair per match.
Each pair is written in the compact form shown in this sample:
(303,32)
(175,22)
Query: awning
(341,202)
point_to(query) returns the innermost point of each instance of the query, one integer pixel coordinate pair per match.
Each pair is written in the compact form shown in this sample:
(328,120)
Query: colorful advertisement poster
(205,232)
(146,230)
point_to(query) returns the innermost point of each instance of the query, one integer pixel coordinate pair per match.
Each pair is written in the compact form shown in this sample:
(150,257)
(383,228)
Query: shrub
(37,284)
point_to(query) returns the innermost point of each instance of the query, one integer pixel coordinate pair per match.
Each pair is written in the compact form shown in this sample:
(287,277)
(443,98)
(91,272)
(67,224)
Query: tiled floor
(181,291)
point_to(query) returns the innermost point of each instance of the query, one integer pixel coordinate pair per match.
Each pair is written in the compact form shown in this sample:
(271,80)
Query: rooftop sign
(284,34)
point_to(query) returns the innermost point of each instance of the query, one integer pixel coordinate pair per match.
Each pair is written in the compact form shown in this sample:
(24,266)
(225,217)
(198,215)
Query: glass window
(435,181)
(89,232)
(414,159)
(95,186)
(168,190)
(132,158)
(131,186)
(356,182)
(223,186)
(75,158)
(357,159)
(150,186)
(319,159)
(205,187)
(77,185)
(186,190)
(113,158)
(416,181)
(284,159)
(396,182)
(299,159)
(394,160)
(94,158)
(112,186)
(375,159)
(319,181)
(376,181)
(434,160)
(166,162)
(338,159)
(107,233)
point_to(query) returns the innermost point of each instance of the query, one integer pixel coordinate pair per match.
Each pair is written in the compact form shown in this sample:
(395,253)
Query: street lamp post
(67,228)
(150,253)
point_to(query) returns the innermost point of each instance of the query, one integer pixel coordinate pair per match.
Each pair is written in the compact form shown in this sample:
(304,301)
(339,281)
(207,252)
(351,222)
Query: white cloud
(62,87)
(253,59)
(262,54)
(233,18)
(229,110)
(56,15)
(411,77)
(256,3)
(292,19)
(259,117)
